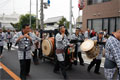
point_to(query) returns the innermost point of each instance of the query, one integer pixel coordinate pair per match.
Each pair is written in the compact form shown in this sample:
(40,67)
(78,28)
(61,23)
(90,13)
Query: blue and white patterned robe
(112,53)
(21,53)
(61,43)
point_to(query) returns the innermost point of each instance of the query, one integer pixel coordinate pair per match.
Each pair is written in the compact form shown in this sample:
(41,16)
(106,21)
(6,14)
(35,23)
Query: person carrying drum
(61,43)
(97,60)
(77,53)
(112,57)
(9,36)
(24,41)
(2,38)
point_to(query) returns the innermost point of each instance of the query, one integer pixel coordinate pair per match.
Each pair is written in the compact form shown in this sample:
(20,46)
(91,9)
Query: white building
(5,20)
(79,21)
(52,23)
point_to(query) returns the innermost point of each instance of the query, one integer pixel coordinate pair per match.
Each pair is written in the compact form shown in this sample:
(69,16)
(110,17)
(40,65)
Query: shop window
(97,25)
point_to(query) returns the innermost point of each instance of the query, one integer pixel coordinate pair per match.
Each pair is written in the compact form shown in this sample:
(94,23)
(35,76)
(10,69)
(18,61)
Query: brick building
(101,14)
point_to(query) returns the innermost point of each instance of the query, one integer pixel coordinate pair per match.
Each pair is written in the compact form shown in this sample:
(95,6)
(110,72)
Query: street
(44,71)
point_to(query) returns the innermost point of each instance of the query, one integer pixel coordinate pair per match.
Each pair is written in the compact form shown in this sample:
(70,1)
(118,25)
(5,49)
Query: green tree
(3,28)
(16,26)
(64,21)
(25,19)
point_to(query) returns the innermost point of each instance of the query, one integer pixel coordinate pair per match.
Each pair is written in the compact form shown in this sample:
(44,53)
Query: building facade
(79,21)
(52,23)
(101,14)
(6,20)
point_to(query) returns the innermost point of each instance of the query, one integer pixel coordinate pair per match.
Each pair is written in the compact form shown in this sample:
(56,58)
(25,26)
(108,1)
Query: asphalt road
(44,71)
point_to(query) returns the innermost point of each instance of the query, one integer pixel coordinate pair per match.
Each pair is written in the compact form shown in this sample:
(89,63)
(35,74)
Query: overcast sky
(57,7)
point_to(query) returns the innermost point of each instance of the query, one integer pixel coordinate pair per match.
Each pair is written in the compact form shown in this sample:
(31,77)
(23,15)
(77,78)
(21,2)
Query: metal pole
(41,15)
(78,17)
(70,24)
(30,13)
(36,14)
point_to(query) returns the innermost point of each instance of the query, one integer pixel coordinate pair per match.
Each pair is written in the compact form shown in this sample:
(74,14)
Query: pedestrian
(2,38)
(61,43)
(112,57)
(93,33)
(87,34)
(24,41)
(35,46)
(38,44)
(9,36)
(77,54)
(97,60)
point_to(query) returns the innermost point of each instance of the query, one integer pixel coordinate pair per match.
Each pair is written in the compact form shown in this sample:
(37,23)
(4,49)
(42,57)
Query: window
(97,25)
(99,1)
(90,2)
(89,24)
(118,24)
(106,0)
(94,1)
(105,24)
(112,25)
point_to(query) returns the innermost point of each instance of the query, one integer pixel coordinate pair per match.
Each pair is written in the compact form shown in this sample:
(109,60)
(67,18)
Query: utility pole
(36,14)
(30,13)
(70,24)
(41,15)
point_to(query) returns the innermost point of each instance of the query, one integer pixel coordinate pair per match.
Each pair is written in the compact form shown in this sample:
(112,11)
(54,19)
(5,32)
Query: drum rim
(96,51)
(51,45)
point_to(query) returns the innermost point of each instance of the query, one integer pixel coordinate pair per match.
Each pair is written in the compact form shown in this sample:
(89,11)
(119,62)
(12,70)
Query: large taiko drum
(48,46)
(90,48)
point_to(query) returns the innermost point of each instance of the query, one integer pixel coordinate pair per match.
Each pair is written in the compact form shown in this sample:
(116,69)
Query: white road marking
(12,48)
(87,60)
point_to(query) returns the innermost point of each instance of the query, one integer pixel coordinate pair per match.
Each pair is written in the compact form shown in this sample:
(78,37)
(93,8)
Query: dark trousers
(78,55)
(80,58)
(40,53)
(24,68)
(68,57)
(1,50)
(35,58)
(9,45)
(60,65)
(97,67)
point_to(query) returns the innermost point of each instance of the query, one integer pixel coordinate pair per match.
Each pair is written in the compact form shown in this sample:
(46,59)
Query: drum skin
(90,48)
(87,45)
(48,46)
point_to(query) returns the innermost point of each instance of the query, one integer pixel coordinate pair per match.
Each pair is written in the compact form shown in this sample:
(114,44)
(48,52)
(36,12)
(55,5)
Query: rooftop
(53,19)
